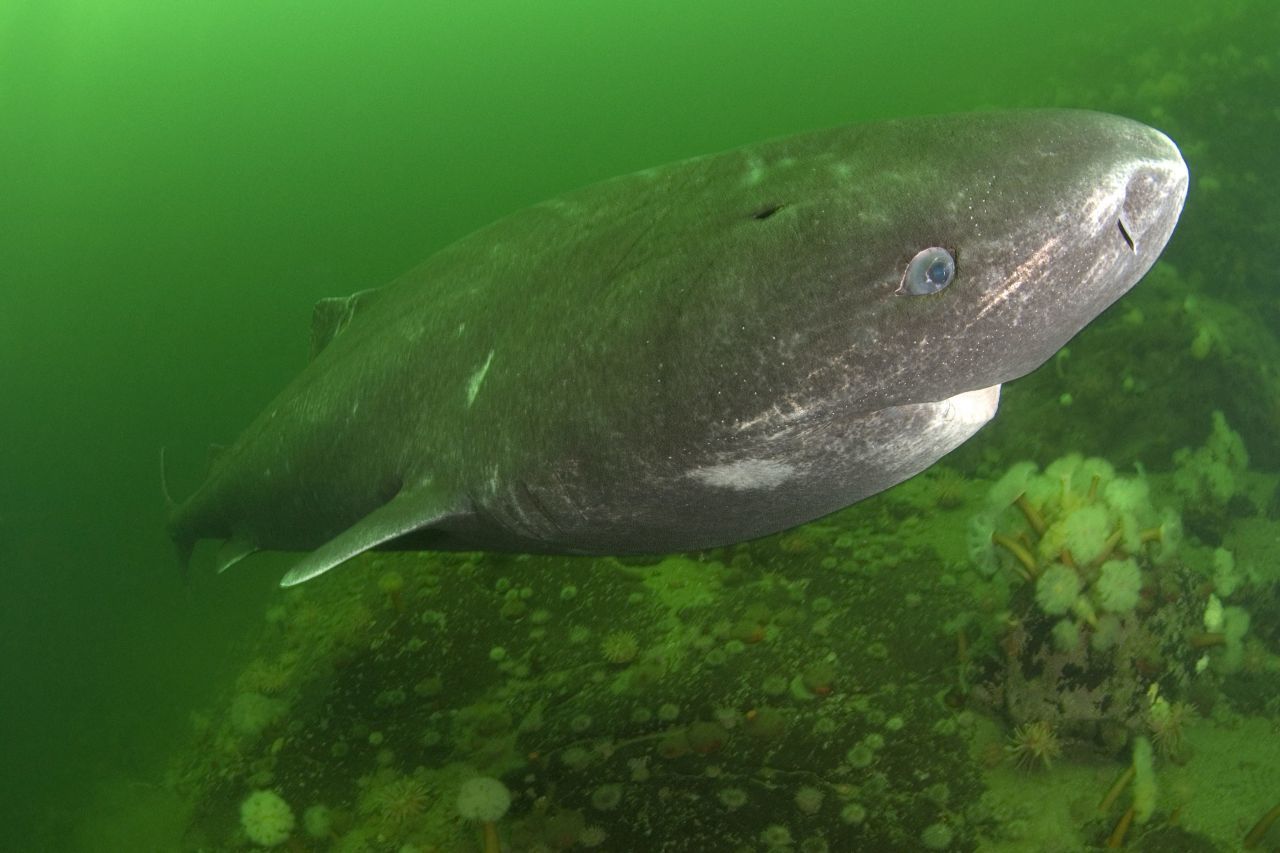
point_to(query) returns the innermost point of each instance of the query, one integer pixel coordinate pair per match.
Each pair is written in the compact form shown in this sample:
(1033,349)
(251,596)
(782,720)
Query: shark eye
(931,270)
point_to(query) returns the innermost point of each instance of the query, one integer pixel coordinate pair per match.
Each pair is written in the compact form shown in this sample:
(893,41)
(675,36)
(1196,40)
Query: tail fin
(184,546)
(169,503)
(183,541)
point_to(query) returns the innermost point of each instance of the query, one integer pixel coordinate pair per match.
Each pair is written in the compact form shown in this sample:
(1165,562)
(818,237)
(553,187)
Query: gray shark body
(700,353)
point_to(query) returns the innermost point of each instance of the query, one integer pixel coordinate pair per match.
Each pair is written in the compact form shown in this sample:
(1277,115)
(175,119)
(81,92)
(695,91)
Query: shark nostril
(1125,233)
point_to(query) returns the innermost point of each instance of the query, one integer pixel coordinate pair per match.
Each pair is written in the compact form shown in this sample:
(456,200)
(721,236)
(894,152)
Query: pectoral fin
(233,551)
(413,508)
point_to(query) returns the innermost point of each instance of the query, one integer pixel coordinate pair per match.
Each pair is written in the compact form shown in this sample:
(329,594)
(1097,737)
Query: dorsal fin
(332,315)
(212,455)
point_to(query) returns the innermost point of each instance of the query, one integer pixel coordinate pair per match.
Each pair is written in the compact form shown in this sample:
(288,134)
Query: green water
(180,182)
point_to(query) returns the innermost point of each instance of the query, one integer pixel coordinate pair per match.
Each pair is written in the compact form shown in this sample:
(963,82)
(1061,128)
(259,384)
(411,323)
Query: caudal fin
(183,540)
(169,503)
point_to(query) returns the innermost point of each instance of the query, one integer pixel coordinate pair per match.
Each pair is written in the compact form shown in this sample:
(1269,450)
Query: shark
(700,353)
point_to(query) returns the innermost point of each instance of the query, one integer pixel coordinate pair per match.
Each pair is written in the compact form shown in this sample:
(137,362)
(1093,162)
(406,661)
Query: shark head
(868,289)
(915,260)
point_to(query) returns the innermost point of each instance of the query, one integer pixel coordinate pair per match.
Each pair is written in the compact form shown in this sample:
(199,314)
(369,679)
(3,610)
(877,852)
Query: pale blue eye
(930,270)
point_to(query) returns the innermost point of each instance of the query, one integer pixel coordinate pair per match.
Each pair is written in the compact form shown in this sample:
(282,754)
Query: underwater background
(180,182)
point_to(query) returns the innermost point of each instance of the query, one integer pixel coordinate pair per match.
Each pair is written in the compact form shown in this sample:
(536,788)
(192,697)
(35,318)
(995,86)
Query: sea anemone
(809,799)
(486,800)
(397,802)
(1066,635)
(853,813)
(318,821)
(1085,532)
(267,677)
(607,796)
(1057,589)
(1168,722)
(252,713)
(620,647)
(1128,495)
(1098,473)
(392,586)
(266,818)
(1118,586)
(1012,485)
(776,835)
(592,836)
(947,487)
(1167,537)
(979,538)
(1034,743)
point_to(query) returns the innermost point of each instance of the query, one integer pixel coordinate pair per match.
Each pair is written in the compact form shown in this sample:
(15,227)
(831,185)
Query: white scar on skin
(473,384)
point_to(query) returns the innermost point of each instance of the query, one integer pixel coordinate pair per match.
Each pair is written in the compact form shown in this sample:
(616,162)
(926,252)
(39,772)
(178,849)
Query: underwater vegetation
(612,701)
(1119,632)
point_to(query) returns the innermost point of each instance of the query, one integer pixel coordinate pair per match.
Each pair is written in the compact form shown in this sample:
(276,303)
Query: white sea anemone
(266,818)
(1010,486)
(1066,635)
(251,713)
(981,548)
(318,821)
(483,798)
(1057,589)
(1118,586)
(1085,532)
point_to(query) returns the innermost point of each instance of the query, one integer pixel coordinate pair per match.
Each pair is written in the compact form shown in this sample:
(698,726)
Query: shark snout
(1154,191)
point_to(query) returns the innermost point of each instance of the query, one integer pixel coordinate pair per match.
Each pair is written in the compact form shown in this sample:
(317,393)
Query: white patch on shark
(972,409)
(473,384)
(908,437)
(755,171)
(746,474)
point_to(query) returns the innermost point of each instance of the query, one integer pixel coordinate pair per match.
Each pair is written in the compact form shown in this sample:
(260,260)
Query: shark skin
(701,353)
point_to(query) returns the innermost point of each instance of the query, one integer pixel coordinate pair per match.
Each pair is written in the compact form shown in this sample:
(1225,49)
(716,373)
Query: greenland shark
(701,353)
